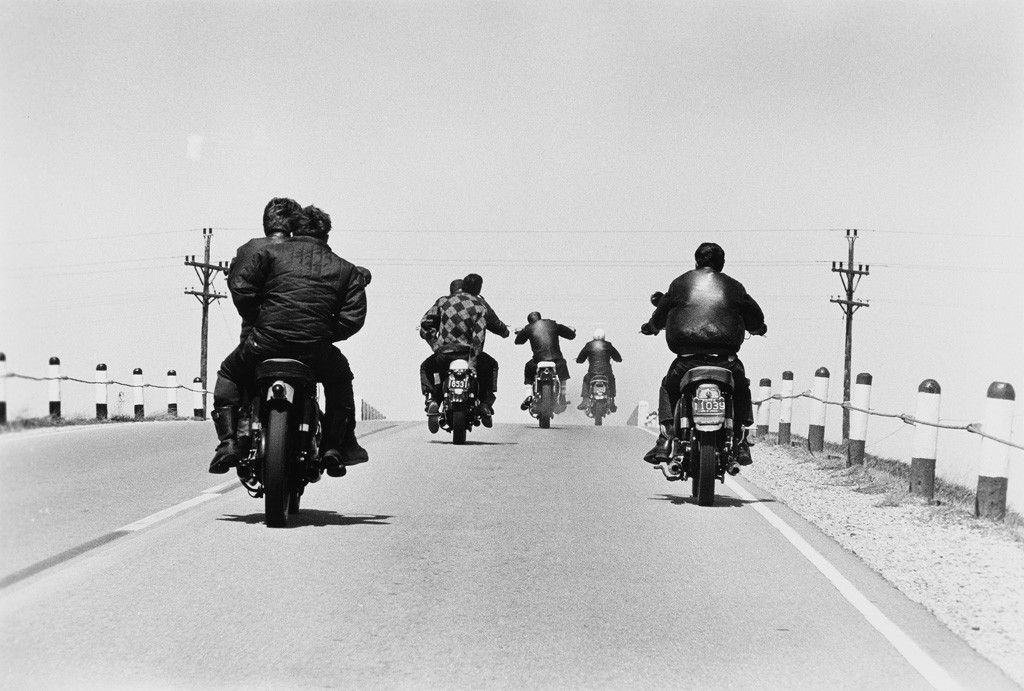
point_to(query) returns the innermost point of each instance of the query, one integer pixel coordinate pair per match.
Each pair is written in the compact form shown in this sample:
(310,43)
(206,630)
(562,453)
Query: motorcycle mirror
(656,297)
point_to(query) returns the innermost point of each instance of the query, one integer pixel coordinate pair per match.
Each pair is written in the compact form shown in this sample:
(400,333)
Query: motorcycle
(285,429)
(597,403)
(459,411)
(547,391)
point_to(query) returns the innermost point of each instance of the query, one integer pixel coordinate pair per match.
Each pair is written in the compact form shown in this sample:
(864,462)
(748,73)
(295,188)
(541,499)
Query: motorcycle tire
(293,502)
(598,412)
(546,405)
(459,423)
(276,485)
(706,464)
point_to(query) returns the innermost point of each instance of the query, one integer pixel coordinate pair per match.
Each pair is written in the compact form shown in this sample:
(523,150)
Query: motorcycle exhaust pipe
(670,470)
(733,468)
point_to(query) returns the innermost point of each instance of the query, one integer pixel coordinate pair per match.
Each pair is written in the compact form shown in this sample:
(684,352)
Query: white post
(643,409)
(764,408)
(816,429)
(990,499)
(860,398)
(786,409)
(359,409)
(54,375)
(101,391)
(198,409)
(139,394)
(926,440)
(172,393)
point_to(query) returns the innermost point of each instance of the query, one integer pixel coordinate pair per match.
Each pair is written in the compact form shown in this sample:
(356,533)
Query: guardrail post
(3,389)
(54,376)
(643,409)
(861,398)
(786,409)
(101,391)
(172,393)
(926,440)
(764,408)
(990,500)
(140,394)
(198,409)
(360,409)
(816,429)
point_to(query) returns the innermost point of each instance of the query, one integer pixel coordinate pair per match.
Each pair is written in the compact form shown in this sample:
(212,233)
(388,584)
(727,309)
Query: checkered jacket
(460,319)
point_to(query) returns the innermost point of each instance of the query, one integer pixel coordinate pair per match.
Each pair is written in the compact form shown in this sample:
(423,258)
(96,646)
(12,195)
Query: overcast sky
(574,154)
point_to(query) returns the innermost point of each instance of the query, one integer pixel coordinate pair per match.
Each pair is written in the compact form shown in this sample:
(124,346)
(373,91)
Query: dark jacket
(299,295)
(600,353)
(543,336)
(460,319)
(705,311)
(242,255)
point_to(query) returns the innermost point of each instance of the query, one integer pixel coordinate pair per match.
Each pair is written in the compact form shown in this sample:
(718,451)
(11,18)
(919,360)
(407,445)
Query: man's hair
(533,317)
(472,284)
(710,255)
(314,223)
(281,215)
(455,286)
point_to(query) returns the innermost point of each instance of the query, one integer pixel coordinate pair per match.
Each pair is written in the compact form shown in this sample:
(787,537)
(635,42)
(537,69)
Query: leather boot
(227,454)
(350,448)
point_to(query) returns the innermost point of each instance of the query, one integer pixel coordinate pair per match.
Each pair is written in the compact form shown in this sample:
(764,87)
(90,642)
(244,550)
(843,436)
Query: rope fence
(13,375)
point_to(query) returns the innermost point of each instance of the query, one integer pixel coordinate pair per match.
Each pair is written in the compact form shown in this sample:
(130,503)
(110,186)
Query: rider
(704,314)
(300,297)
(543,336)
(430,376)
(600,352)
(456,326)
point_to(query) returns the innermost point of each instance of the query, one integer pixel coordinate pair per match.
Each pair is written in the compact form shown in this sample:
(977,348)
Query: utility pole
(850,278)
(206,272)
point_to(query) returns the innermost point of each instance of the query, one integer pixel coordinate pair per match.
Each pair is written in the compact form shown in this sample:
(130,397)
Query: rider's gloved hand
(760,332)
(647,330)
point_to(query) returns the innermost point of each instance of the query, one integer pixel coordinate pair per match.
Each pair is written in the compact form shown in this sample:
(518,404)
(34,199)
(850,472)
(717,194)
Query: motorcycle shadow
(722,501)
(470,442)
(316,518)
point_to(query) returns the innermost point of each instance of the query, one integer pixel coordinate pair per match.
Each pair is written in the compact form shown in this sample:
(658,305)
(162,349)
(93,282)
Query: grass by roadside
(890,480)
(24,424)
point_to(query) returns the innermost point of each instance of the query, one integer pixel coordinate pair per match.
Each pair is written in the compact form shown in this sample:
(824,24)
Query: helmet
(598,334)
(533,316)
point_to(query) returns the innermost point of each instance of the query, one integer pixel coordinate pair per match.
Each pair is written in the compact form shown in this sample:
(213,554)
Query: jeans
(668,396)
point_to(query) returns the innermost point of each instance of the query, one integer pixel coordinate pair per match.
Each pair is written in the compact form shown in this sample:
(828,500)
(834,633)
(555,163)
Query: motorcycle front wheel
(704,478)
(276,490)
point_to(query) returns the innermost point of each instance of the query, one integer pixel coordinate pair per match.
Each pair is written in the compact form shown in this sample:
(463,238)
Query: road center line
(905,646)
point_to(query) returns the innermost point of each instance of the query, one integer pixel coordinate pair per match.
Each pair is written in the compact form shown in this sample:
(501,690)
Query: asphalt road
(526,559)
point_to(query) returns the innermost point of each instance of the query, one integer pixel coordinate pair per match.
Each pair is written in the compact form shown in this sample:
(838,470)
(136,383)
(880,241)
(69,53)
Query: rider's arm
(245,283)
(584,354)
(614,353)
(753,317)
(352,313)
(494,325)
(523,335)
(566,332)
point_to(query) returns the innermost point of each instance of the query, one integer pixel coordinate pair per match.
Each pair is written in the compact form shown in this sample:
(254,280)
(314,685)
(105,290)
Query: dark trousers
(668,396)
(530,371)
(435,366)
(235,381)
(589,375)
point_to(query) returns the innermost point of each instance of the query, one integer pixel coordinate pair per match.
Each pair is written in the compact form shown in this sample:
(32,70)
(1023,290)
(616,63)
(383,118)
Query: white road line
(911,651)
(160,515)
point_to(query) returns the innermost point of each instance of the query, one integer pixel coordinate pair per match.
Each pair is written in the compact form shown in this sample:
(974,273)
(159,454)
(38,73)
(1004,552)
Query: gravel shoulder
(968,572)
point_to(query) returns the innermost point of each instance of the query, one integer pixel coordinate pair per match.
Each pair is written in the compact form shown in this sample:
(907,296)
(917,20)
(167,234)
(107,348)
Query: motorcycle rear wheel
(276,489)
(459,426)
(546,405)
(704,478)
(598,413)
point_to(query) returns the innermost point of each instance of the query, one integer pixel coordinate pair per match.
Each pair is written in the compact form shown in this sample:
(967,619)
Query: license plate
(708,406)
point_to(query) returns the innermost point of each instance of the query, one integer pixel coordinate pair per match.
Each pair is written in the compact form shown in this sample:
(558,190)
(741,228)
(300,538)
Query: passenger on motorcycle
(429,376)
(456,326)
(543,335)
(300,298)
(600,352)
(705,314)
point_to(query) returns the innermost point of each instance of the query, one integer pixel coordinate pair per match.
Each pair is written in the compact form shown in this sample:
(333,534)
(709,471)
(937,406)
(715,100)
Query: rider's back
(706,311)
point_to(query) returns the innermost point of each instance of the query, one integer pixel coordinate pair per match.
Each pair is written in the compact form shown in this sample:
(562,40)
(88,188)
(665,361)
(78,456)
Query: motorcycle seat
(284,368)
(718,375)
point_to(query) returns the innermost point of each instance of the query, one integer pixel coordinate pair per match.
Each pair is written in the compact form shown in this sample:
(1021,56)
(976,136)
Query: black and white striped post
(172,393)
(3,389)
(101,391)
(816,428)
(139,394)
(990,499)
(54,377)
(764,408)
(786,409)
(860,398)
(198,409)
(926,440)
